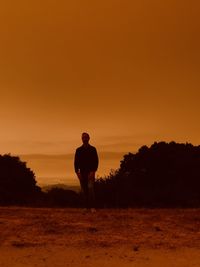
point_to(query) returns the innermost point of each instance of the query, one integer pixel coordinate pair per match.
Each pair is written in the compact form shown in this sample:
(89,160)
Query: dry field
(110,237)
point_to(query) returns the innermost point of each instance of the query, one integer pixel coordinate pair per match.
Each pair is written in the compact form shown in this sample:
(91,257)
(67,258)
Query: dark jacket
(86,159)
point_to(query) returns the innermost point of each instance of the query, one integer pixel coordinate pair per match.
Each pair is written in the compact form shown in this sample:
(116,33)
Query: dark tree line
(18,187)
(162,175)
(165,174)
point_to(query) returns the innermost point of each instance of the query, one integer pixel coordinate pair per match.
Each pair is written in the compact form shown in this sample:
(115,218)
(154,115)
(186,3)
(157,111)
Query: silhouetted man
(85,165)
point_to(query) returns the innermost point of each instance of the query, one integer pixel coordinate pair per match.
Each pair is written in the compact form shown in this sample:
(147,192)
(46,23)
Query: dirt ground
(43,237)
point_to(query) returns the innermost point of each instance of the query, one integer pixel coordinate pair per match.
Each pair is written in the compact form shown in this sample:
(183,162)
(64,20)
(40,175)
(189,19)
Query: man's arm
(76,165)
(96,160)
(95,163)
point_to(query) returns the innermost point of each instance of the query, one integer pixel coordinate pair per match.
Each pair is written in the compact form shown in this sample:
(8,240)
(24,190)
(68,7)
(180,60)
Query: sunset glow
(127,72)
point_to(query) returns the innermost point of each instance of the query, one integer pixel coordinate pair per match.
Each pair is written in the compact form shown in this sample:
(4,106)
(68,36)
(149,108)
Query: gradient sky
(125,71)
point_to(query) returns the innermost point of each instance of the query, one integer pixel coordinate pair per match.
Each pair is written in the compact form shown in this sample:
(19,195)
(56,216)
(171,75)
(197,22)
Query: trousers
(87,189)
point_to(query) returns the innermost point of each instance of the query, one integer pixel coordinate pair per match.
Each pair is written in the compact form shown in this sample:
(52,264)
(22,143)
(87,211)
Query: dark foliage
(166,174)
(17,182)
(62,197)
(162,175)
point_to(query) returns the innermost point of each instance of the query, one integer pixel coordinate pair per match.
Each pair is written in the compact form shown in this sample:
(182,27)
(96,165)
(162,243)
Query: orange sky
(125,71)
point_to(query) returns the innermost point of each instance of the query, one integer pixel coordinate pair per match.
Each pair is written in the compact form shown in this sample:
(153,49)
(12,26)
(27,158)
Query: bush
(17,182)
(62,197)
(166,174)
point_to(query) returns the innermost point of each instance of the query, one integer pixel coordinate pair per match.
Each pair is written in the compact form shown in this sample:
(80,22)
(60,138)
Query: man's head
(85,138)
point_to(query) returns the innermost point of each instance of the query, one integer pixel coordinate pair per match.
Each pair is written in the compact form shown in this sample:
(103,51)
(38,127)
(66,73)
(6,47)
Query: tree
(17,181)
(162,174)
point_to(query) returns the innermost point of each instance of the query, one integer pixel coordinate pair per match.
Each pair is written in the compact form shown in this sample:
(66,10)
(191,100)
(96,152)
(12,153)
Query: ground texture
(110,237)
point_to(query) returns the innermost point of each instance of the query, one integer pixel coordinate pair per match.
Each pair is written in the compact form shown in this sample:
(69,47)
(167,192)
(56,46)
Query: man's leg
(91,192)
(84,189)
